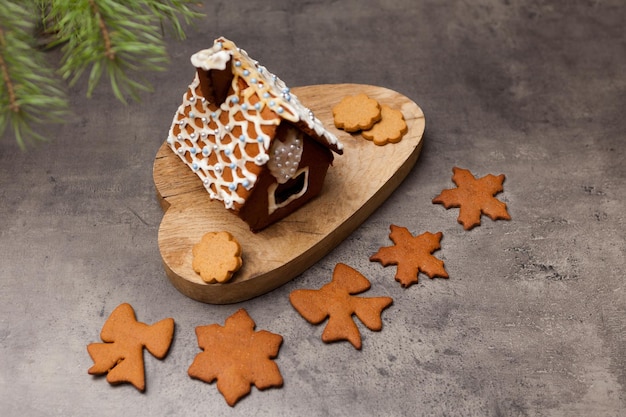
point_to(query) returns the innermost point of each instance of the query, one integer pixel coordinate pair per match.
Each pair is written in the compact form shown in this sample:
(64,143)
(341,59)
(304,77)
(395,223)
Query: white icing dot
(261,159)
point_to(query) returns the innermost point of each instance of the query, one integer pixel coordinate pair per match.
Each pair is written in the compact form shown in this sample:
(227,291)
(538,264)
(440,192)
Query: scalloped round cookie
(217,257)
(354,113)
(389,129)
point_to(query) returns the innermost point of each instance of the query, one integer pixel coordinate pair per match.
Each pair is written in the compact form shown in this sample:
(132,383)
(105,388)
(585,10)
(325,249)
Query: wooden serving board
(357,183)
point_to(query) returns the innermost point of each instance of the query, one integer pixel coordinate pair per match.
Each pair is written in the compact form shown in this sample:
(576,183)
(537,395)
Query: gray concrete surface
(532,321)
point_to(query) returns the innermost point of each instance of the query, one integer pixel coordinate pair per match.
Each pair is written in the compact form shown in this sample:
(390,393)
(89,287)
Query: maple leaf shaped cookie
(237,357)
(474,197)
(412,254)
(121,356)
(337,302)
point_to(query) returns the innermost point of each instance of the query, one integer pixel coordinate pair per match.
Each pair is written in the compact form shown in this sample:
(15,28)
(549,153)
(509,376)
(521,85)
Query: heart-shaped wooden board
(357,183)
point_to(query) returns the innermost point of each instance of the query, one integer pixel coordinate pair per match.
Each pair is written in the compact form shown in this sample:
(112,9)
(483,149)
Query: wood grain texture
(359,181)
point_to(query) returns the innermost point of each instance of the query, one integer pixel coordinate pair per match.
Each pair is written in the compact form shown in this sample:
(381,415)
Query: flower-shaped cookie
(217,257)
(354,113)
(389,129)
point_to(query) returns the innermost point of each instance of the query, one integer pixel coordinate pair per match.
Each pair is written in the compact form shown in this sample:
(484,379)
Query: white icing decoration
(237,150)
(271,192)
(211,58)
(285,156)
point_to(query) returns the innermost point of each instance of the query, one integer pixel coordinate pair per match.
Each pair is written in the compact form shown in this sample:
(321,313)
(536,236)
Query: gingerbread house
(253,144)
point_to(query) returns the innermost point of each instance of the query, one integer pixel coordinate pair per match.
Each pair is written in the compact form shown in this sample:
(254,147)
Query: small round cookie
(390,129)
(216,257)
(354,113)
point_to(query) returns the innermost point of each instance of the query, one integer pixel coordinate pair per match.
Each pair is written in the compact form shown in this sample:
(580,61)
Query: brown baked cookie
(474,197)
(354,113)
(412,254)
(390,129)
(120,357)
(337,302)
(216,257)
(237,357)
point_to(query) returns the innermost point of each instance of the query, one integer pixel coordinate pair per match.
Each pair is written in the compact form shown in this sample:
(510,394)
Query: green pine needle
(30,97)
(114,39)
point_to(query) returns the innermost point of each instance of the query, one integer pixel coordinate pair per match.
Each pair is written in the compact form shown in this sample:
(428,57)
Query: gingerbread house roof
(228,144)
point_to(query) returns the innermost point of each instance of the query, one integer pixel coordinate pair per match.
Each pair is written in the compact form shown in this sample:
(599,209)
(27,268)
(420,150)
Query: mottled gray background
(532,321)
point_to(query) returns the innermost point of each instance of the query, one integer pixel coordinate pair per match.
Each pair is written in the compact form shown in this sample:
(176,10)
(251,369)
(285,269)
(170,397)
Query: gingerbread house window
(281,195)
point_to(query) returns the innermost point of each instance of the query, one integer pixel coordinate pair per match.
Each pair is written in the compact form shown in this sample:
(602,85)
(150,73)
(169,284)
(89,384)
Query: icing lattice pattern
(227,146)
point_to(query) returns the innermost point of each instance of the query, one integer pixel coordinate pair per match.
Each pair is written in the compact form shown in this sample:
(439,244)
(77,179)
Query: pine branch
(30,95)
(13,105)
(122,39)
(118,39)
(169,10)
